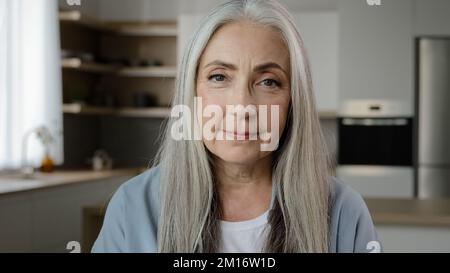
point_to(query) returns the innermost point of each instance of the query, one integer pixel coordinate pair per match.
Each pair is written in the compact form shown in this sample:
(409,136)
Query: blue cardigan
(131,219)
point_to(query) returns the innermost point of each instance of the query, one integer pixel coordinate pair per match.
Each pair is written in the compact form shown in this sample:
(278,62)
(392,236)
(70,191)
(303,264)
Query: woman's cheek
(210,115)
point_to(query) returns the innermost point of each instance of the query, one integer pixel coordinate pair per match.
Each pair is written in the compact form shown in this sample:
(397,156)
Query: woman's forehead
(240,41)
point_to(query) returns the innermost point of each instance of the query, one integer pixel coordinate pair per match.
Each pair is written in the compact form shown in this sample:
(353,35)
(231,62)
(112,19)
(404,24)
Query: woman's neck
(244,190)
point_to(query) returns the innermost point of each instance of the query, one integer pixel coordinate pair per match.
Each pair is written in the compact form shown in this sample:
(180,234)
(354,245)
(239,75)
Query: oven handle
(375,122)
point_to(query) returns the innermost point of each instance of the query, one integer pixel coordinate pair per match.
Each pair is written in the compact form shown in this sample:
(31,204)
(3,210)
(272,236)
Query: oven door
(375,141)
(375,156)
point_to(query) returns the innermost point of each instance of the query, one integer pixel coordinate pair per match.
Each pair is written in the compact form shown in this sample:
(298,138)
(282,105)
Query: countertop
(10,184)
(384,211)
(410,212)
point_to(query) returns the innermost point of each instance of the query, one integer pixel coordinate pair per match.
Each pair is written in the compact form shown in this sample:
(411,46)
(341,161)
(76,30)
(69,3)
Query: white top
(245,236)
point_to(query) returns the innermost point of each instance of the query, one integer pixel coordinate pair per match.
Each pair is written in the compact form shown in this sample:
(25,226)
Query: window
(30,80)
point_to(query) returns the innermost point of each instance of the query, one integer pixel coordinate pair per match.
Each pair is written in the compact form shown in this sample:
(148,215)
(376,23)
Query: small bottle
(47,165)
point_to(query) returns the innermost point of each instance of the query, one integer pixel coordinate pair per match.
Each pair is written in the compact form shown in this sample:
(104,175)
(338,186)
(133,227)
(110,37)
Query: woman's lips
(239,136)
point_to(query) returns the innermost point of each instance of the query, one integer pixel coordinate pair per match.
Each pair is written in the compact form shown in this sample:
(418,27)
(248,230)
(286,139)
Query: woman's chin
(240,153)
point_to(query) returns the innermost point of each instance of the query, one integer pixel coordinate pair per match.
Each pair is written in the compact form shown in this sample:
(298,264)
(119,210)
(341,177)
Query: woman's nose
(242,94)
(243,102)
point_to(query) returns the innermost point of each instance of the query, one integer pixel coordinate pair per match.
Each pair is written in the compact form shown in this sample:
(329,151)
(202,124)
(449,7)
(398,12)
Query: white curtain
(30,80)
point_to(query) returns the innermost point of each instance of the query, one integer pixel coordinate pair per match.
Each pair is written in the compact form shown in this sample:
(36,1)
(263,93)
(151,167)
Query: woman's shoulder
(131,217)
(351,224)
(147,181)
(141,194)
(344,197)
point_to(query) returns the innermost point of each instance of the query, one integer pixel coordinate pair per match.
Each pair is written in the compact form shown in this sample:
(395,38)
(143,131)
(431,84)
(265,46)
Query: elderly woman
(228,194)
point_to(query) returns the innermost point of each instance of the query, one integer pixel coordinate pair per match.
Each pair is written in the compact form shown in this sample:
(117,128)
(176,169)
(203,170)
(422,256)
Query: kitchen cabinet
(376,51)
(378,181)
(405,238)
(120,70)
(142,62)
(46,219)
(411,225)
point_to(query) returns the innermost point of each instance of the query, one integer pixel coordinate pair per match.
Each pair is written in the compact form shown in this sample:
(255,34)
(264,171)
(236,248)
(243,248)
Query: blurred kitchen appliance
(433,108)
(375,147)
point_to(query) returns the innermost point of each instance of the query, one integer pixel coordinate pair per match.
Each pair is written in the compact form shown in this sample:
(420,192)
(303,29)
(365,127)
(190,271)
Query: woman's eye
(270,83)
(217,77)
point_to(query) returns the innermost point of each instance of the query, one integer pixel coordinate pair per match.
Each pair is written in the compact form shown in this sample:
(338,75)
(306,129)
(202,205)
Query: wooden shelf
(153,112)
(145,29)
(155,71)
(78,64)
(75,16)
(150,112)
(76,108)
(159,29)
(152,71)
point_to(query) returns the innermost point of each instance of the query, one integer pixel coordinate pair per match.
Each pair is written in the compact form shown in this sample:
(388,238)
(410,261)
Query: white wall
(432,17)
(138,10)
(310,5)
(169,9)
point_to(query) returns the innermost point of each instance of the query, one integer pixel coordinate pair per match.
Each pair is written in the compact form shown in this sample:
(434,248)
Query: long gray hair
(189,206)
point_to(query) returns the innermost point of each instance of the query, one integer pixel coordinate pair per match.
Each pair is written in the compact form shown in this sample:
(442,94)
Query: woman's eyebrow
(258,68)
(222,63)
(265,66)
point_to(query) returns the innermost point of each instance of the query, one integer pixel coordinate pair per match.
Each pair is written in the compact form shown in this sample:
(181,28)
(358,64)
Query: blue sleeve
(366,237)
(112,233)
(352,228)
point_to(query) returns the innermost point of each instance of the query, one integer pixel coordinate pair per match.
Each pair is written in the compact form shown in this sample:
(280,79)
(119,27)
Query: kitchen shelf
(150,112)
(145,29)
(152,71)
(159,29)
(75,16)
(153,112)
(78,64)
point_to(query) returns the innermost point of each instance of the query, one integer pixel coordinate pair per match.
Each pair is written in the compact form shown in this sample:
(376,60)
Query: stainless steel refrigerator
(433,124)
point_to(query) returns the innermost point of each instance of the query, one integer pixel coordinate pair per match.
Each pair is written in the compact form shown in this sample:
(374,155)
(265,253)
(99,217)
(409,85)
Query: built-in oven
(375,148)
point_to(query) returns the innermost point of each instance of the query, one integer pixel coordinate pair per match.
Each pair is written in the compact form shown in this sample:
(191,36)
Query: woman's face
(244,64)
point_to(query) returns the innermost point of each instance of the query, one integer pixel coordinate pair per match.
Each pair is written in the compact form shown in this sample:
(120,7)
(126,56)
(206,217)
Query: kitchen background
(85,89)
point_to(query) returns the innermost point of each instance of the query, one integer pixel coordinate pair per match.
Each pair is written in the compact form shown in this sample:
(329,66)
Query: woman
(228,194)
